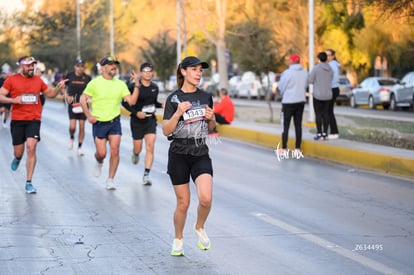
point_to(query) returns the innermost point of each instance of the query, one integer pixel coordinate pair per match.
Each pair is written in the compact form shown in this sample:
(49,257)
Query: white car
(373,91)
(250,86)
(234,83)
(402,94)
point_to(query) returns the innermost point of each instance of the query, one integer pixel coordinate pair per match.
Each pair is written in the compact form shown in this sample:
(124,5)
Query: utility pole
(178,32)
(311,58)
(111,27)
(78,35)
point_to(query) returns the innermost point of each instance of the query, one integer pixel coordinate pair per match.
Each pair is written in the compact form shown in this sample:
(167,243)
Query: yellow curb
(398,166)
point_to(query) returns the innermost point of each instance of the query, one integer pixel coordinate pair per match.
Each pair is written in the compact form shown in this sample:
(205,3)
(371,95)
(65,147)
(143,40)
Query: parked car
(171,83)
(345,88)
(402,94)
(250,86)
(234,83)
(373,91)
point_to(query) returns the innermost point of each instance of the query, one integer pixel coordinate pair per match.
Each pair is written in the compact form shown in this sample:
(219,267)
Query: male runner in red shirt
(24,89)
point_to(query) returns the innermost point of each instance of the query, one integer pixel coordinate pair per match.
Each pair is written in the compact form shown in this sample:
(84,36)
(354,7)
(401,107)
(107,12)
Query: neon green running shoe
(203,240)
(177,248)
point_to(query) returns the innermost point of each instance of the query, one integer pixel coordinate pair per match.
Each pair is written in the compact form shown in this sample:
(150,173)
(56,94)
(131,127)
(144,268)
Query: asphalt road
(294,216)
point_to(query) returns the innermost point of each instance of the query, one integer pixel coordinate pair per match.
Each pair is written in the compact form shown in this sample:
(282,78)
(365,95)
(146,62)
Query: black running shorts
(180,167)
(23,129)
(142,127)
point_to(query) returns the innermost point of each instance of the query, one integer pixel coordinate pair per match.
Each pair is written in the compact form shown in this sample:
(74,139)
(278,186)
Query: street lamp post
(311,41)
(178,32)
(111,27)
(78,35)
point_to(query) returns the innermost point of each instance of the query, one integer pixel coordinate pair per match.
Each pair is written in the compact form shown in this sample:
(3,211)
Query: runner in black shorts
(188,117)
(4,107)
(76,82)
(143,122)
(24,90)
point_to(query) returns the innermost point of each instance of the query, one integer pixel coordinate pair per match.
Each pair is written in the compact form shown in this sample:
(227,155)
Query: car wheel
(352,102)
(371,103)
(393,104)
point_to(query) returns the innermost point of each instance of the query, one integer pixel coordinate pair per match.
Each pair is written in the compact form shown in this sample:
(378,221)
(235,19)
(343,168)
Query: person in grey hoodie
(334,64)
(321,78)
(292,87)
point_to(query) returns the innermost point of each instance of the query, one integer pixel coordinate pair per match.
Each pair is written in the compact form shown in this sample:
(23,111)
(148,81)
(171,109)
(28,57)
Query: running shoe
(15,164)
(203,240)
(146,180)
(30,189)
(134,158)
(70,144)
(317,137)
(177,248)
(333,136)
(80,153)
(98,169)
(110,185)
(5,125)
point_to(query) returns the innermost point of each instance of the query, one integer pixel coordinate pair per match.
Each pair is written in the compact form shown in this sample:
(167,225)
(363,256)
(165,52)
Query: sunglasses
(111,58)
(27,60)
(147,70)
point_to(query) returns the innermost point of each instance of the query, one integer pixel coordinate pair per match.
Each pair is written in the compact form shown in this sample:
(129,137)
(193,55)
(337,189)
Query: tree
(161,52)
(258,42)
(214,30)
(51,35)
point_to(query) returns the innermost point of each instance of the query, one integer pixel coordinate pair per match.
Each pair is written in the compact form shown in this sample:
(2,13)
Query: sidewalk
(394,161)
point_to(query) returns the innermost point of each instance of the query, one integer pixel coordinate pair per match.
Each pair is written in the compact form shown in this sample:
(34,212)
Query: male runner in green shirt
(106,93)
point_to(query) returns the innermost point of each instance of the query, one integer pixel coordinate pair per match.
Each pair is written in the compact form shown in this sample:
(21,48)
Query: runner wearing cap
(24,89)
(188,116)
(143,122)
(106,93)
(4,107)
(76,82)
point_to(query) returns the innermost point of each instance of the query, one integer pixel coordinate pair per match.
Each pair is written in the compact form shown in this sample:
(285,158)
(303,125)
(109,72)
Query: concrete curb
(394,165)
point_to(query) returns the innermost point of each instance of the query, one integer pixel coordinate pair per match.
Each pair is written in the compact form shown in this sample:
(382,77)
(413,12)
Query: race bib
(29,98)
(149,109)
(77,108)
(194,114)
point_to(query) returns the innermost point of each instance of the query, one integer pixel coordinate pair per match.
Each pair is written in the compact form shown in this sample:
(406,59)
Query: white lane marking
(365,261)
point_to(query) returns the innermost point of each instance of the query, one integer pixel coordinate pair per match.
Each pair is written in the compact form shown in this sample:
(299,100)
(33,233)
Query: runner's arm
(5,99)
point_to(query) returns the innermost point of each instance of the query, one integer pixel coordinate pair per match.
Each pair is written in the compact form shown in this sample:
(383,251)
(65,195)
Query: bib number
(77,108)
(194,114)
(148,109)
(29,98)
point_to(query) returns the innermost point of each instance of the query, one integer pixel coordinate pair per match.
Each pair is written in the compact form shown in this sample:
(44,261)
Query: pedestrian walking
(24,89)
(188,116)
(106,93)
(143,122)
(76,82)
(335,66)
(321,78)
(292,87)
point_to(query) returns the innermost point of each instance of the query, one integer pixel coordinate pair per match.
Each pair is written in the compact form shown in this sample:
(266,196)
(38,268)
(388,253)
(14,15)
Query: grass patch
(397,134)
(377,136)
(400,126)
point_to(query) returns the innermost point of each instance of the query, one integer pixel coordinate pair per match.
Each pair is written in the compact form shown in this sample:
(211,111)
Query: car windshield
(386,82)
(344,81)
